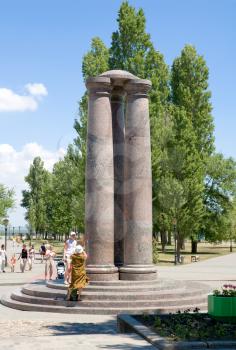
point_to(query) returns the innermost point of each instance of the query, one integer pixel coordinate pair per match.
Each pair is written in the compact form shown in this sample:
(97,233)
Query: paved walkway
(18,278)
(215,272)
(45,331)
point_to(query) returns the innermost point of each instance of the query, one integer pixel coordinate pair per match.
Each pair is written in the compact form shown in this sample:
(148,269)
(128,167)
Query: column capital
(99,85)
(138,87)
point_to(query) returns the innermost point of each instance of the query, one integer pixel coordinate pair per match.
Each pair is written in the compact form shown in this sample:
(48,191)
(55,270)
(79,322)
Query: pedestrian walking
(3,258)
(69,249)
(79,278)
(23,257)
(49,261)
(13,262)
(42,251)
(31,257)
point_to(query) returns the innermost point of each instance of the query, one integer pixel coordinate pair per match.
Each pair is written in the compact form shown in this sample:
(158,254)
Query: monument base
(102,273)
(138,272)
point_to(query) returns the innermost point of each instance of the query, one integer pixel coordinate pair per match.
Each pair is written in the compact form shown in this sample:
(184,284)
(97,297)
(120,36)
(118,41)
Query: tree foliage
(6,200)
(35,198)
(219,197)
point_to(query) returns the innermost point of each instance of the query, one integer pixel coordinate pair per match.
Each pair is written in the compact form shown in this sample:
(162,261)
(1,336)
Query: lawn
(205,251)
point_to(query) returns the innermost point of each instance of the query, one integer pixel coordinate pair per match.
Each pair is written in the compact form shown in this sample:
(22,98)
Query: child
(13,262)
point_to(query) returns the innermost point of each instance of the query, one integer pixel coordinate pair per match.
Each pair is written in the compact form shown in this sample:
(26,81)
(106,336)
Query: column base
(138,272)
(102,273)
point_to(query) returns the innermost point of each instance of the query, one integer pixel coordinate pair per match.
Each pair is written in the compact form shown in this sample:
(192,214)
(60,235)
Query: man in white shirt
(69,249)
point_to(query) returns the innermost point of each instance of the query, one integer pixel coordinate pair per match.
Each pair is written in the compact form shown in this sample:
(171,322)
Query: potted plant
(222,303)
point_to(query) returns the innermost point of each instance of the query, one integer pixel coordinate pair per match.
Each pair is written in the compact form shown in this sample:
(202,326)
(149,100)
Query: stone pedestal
(137,185)
(99,201)
(118,121)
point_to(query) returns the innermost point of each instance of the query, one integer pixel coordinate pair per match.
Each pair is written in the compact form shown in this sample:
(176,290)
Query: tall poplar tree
(67,195)
(34,200)
(189,83)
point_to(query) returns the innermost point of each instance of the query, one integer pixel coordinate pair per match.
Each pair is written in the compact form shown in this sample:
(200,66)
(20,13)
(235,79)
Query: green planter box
(222,307)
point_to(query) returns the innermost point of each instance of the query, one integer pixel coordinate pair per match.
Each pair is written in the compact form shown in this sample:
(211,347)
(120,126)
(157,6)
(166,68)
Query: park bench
(195,258)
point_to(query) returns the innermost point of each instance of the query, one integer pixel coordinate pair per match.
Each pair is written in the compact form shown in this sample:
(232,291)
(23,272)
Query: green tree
(219,197)
(67,200)
(130,43)
(34,200)
(6,200)
(189,87)
(189,83)
(95,61)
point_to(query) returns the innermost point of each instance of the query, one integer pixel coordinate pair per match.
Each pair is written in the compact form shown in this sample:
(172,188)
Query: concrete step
(75,308)
(124,287)
(59,284)
(111,298)
(123,282)
(60,301)
(89,294)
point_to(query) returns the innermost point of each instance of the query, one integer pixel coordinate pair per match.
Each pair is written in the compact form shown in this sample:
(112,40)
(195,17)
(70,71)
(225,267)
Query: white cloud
(14,166)
(13,102)
(36,89)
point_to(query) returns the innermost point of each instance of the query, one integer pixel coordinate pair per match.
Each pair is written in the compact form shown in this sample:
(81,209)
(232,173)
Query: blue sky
(44,42)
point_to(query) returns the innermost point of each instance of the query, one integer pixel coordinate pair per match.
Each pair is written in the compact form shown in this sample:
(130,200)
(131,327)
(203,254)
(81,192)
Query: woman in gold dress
(79,278)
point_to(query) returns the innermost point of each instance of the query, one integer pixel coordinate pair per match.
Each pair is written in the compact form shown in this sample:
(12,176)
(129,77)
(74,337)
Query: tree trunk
(169,238)
(156,236)
(163,241)
(194,246)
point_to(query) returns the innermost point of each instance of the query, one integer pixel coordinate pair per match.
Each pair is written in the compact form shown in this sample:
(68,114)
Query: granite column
(99,201)
(137,185)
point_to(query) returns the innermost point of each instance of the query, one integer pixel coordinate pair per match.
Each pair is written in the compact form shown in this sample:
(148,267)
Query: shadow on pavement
(67,328)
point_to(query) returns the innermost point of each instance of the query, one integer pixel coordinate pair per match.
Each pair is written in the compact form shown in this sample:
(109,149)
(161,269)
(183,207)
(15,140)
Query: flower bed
(222,303)
(186,326)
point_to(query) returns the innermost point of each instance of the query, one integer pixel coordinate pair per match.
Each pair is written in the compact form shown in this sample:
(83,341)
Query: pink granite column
(118,120)
(99,201)
(137,186)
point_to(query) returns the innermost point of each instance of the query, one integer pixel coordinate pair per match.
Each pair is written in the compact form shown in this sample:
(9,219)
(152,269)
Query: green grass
(205,251)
